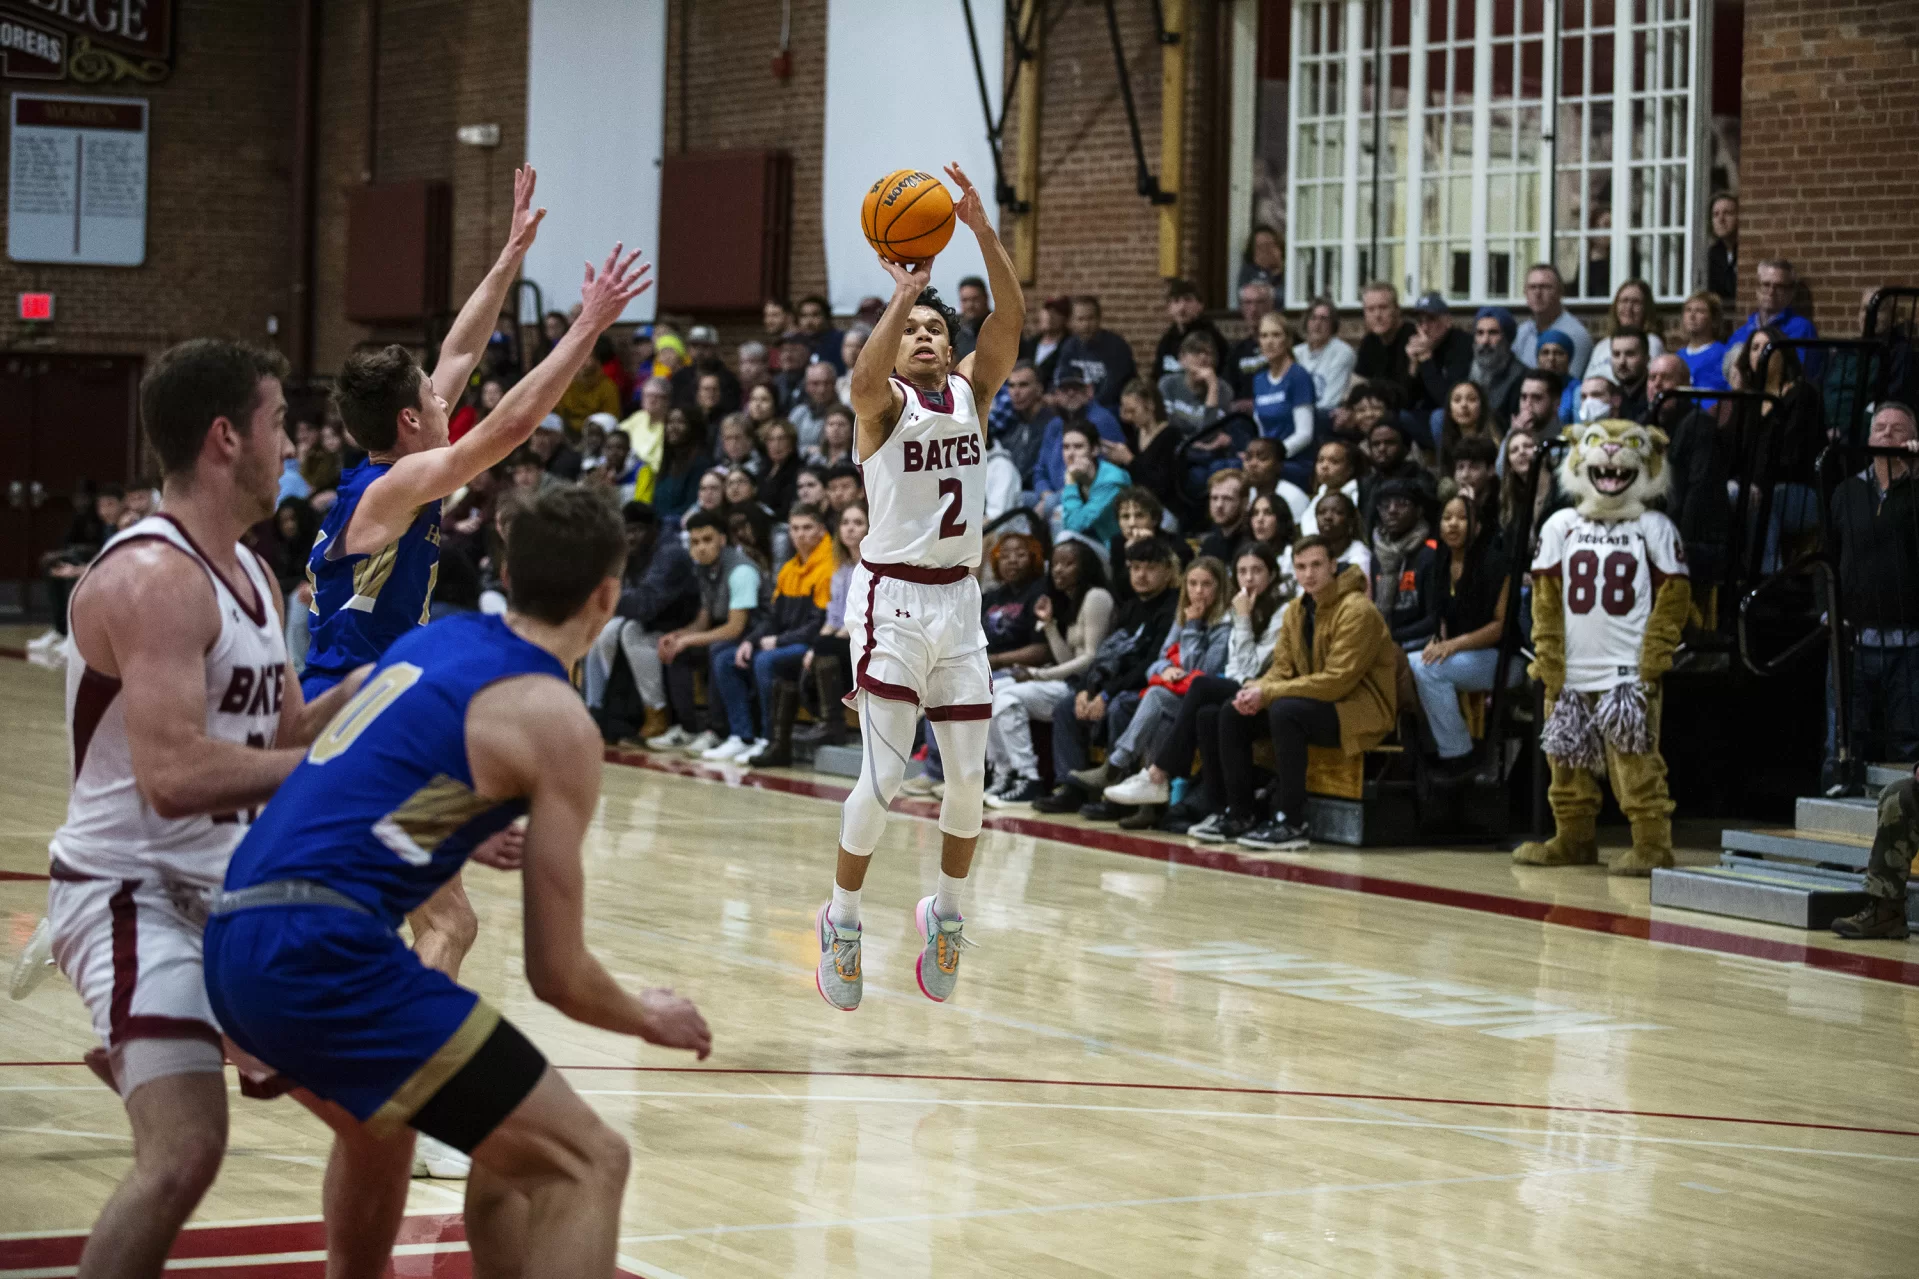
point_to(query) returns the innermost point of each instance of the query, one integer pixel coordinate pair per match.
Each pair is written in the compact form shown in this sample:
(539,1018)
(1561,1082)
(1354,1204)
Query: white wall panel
(901,93)
(595,118)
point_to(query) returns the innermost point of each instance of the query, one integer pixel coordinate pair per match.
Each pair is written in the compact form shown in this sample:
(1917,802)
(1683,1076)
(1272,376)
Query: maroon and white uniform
(128,898)
(913,606)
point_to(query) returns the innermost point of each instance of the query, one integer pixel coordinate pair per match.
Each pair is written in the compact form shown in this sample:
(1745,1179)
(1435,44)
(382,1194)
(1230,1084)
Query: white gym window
(1449,144)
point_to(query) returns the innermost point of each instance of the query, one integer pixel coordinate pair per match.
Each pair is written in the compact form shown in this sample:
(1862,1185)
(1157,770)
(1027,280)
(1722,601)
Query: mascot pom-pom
(1610,598)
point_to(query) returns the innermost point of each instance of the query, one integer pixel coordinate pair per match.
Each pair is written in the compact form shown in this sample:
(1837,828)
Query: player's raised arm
(876,401)
(997,349)
(391,501)
(473,327)
(152,611)
(532,736)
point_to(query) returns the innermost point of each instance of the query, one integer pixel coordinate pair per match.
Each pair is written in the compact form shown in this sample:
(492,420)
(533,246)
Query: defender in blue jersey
(462,727)
(373,563)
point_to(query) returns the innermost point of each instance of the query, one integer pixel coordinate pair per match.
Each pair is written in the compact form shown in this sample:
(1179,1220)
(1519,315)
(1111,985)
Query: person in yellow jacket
(1332,682)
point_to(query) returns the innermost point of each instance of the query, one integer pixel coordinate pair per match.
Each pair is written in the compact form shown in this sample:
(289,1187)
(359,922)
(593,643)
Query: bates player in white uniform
(182,722)
(913,608)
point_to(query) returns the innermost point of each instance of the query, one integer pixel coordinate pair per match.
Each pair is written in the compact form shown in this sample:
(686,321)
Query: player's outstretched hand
(909,277)
(971,209)
(606,292)
(673,1022)
(526,219)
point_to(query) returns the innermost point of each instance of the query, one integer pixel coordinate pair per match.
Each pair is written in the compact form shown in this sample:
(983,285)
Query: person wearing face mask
(1598,398)
(1496,370)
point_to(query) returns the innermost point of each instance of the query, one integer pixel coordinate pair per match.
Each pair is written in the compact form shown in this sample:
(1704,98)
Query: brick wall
(443,64)
(220,134)
(1829,164)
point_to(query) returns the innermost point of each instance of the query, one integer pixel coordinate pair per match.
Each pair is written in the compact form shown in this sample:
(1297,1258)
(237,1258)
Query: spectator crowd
(1202,563)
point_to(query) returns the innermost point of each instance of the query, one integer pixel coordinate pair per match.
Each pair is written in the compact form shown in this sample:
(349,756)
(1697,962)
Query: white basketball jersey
(110,831)
(926,486)
(1608,574)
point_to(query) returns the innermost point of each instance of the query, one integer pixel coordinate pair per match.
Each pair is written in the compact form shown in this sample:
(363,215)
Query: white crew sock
(946,900)
(845,910)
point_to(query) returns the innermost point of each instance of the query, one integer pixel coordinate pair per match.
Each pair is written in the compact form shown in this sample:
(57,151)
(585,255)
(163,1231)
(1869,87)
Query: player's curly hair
(930,297)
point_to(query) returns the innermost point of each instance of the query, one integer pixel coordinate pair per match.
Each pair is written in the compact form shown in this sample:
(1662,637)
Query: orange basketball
(907,216)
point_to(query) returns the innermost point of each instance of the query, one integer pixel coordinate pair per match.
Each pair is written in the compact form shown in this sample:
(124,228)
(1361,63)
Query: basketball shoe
(838,975)
(938,966)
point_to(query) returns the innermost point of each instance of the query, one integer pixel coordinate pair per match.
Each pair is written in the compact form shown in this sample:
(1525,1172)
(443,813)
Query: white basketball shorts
(916,637)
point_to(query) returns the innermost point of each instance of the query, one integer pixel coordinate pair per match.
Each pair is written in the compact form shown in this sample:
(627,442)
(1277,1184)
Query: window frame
(1663,221)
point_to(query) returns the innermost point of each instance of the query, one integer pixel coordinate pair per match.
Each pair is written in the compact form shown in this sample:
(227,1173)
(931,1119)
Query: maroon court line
(7,876)
(17,654)
(1690,936)
(1260,1092)
(1216,1089)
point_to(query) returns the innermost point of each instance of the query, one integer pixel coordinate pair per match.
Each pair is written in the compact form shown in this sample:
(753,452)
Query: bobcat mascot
(1610,597)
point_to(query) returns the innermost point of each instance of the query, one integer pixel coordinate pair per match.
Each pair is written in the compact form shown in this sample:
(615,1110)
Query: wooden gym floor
(1159,1062)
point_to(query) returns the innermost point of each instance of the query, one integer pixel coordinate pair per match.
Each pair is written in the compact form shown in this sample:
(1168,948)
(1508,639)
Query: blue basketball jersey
(362,603)
(383,808)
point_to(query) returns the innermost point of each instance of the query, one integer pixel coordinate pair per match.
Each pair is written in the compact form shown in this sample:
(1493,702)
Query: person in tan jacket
(1332,682)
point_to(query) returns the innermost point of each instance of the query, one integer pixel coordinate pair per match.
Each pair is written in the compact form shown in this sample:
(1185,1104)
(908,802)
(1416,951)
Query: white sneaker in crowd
(44,642)
(706,741)
(673,739)
(727,752)
(754,749)
(919,786)
(1140,788)
(436,1159)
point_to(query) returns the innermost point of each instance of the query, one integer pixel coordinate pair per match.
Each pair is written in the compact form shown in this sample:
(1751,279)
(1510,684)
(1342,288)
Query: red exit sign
(36,306)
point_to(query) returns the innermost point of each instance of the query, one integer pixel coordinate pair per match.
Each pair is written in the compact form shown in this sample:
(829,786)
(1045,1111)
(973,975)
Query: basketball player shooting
(913,608)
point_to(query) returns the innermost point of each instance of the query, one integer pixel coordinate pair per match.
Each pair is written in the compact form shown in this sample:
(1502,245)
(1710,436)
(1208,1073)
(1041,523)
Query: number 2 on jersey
(950,523)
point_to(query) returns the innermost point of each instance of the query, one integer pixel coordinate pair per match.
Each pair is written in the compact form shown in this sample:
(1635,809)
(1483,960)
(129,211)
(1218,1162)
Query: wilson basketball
(907,216)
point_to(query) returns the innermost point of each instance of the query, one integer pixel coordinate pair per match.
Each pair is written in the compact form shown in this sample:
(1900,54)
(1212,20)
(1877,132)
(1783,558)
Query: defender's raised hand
(526,219)
(605,294)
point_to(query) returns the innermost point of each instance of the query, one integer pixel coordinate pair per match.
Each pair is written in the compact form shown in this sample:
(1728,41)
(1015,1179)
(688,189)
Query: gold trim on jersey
(434,1073)
(370,577)
(423,821)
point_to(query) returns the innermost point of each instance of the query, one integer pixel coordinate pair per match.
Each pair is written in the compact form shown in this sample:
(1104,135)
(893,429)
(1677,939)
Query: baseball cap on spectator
(1431,304)
(1178,288)
(1507,325)
(643,333)
(703,335)
(554,422)
(672,342)
(1070,375)
(1558,338)
(605,421)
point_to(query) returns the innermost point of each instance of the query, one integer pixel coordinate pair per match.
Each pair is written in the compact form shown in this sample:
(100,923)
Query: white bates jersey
(110,831)
(1608,575)
(926,486)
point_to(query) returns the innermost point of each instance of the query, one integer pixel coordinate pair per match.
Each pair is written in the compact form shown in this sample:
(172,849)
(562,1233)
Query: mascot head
(1614,468)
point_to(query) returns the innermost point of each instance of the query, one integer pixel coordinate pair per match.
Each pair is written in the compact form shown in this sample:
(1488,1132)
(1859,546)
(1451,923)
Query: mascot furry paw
(1610,598)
